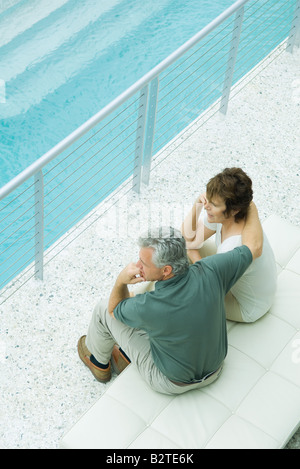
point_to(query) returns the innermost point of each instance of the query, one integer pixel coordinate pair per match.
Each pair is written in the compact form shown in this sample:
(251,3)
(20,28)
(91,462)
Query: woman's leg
(232,308)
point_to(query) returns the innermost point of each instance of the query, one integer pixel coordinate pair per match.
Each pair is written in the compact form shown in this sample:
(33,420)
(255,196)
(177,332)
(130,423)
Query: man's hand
(129,276)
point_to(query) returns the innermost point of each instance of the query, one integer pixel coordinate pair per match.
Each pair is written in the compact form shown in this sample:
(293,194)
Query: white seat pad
(254,404)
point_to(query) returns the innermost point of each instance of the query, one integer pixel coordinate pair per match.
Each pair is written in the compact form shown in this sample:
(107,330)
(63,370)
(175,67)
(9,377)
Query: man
(175,335)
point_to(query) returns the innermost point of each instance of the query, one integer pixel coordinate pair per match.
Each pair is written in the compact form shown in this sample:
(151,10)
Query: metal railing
(113,151)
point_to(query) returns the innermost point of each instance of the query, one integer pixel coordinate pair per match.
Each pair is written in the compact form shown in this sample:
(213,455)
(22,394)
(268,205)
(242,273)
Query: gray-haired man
(175,335)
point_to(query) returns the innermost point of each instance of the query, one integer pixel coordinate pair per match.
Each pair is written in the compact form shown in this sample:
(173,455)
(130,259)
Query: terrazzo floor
(44,388)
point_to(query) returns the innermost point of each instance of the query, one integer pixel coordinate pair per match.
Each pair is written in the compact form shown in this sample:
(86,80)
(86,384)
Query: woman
(226,203)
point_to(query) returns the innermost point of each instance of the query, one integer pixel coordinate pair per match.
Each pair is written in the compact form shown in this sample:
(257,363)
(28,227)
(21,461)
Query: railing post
(39,224)
(232,59)
(294,37)
(153,97)
(140,134)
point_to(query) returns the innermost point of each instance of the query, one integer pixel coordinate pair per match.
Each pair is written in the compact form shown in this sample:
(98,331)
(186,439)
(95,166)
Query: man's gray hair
(169,248)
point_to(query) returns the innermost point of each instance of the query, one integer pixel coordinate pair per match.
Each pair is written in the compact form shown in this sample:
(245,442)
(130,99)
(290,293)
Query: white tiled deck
(44,388)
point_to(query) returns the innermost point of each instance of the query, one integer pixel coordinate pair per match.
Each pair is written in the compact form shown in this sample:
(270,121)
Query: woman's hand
(202,199)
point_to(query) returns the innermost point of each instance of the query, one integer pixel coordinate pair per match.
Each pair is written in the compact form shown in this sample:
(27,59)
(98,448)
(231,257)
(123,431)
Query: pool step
(4,5)
(21,16)
(50,56)
(45,38)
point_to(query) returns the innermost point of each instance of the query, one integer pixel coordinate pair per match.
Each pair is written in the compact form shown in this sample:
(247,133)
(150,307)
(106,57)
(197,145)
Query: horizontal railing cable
(237,88)
(88,125)
(74,229)
(267,33)
(252,31)
(195,61)
(248,56)
(187,87)
(17,219)
(73,187)
(78,168)
(15,242)
(12,201)
(182,116)
(202,45)
(194,71)
(249,25)
(28,261)
(259,68)
(188,133)
(196,106)
(102,137)
(77,228)
(81,196)
(101,187)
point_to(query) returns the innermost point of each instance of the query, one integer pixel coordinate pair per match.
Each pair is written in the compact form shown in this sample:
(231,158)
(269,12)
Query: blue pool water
(63,68)
(62,61)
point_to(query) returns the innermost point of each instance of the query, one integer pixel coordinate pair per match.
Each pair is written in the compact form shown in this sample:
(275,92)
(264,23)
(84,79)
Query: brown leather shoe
(118,360)
(102,375)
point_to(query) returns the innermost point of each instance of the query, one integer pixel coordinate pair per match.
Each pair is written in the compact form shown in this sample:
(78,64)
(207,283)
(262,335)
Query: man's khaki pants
(104,331)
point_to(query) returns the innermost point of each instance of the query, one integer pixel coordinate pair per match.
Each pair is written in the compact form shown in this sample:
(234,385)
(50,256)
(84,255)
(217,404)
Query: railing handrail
(118,101)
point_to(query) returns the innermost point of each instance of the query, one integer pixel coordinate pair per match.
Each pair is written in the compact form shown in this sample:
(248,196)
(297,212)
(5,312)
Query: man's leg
(104,331)
(99,340)
(100,337)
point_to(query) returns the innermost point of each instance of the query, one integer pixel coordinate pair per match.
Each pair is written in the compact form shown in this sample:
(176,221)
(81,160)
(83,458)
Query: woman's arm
(194,255)
(193,230)
(189,225)
(252,235)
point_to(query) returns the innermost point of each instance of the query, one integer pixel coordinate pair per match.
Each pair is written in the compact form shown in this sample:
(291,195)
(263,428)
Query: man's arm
(252,235)
(120,290)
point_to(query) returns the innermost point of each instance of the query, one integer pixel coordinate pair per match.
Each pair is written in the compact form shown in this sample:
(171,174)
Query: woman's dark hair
(235,188)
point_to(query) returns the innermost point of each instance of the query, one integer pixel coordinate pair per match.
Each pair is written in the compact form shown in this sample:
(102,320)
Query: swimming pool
(62,61)
(95,51)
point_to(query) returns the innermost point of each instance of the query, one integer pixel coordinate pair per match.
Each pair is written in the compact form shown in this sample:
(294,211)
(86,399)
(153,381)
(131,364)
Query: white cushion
(254,404)
(287,300)
(283,237)
(262,340)
(273,405)
(237,433)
